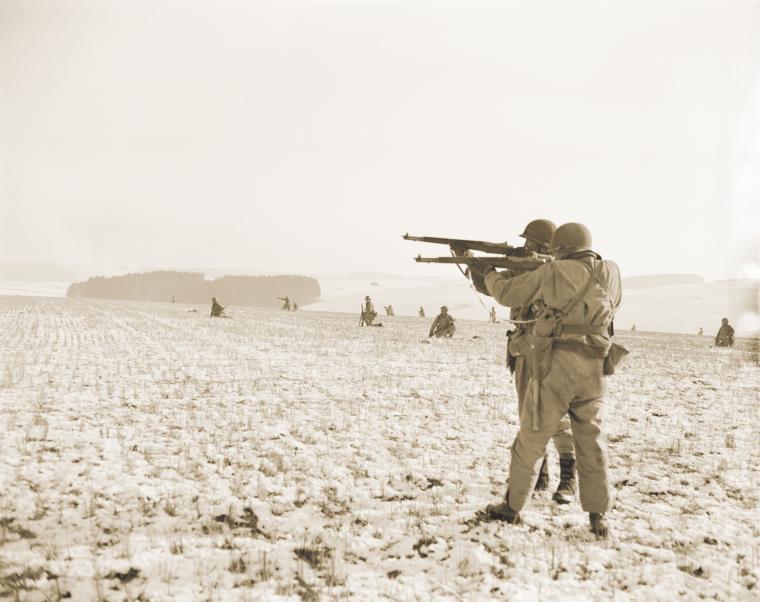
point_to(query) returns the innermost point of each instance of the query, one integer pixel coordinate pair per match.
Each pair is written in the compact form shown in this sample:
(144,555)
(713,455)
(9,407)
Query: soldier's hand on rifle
(460,251)
(477,273)
(480,269)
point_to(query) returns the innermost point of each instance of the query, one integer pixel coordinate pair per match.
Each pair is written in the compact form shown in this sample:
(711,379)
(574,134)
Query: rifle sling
(574,301)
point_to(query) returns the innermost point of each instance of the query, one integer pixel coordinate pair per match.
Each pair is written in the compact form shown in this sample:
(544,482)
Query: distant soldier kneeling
(368,313)
(217,310)
(443,325)
(725,336)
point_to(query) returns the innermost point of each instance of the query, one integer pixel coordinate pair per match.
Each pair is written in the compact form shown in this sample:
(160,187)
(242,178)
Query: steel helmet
(539,231)
(571,236)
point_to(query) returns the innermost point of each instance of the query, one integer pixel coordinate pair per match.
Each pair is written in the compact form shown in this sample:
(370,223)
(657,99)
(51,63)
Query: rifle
(528,262)
(460,245)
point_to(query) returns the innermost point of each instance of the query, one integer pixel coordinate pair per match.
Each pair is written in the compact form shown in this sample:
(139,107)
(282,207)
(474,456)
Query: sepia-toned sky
(306,137)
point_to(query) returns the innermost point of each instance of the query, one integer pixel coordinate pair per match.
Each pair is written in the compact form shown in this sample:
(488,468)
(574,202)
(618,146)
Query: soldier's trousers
(574,386)
(563,438)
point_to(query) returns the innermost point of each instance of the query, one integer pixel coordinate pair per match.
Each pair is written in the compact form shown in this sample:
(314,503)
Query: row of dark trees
(192,287)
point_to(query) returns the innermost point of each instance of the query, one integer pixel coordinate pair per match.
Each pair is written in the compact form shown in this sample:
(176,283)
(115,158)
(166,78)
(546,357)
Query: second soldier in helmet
(538,235)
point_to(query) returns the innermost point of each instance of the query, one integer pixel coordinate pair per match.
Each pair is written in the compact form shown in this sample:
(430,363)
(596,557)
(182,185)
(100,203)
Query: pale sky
(306,137)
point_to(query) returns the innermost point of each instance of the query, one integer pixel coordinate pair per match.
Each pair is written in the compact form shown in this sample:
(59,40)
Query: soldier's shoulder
(614,270)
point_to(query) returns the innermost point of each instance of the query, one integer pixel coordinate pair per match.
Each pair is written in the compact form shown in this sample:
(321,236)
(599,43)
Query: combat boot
(567,483)
(599,525)
(542,484)
(503,512)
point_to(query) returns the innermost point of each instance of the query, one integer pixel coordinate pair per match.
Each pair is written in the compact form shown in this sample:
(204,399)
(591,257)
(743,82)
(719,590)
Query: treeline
(192,287)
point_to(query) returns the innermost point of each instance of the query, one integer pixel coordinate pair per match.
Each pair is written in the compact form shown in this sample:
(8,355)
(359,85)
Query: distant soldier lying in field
(443,325)
(217,310)
(725,336)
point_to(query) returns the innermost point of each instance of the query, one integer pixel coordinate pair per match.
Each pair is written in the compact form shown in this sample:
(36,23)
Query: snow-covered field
(151,453)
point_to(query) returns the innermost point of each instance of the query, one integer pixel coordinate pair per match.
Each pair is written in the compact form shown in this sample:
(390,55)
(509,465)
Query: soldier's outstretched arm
(515,291)
(478,279)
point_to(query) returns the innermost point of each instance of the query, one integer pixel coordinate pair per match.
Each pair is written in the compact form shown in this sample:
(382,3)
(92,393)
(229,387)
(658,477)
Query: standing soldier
(286,304)
(368,312)
(443,325)
(421,312)
(574,299)
(492,318)
(701,331)
(725,336)
(217,309)
(389,311)
(538,235)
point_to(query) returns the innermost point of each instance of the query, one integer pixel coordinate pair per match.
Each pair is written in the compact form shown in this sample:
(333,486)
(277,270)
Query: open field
(151,453)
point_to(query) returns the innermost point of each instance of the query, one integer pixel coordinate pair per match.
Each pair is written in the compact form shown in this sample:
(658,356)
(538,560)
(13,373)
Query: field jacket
(554,286)
(441,323)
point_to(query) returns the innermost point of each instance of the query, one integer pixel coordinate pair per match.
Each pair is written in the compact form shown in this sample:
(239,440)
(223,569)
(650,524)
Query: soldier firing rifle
(503,254)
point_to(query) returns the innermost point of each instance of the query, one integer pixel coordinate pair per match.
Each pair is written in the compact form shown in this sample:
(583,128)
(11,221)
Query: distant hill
(23,271)
(661,280)
(192,287)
